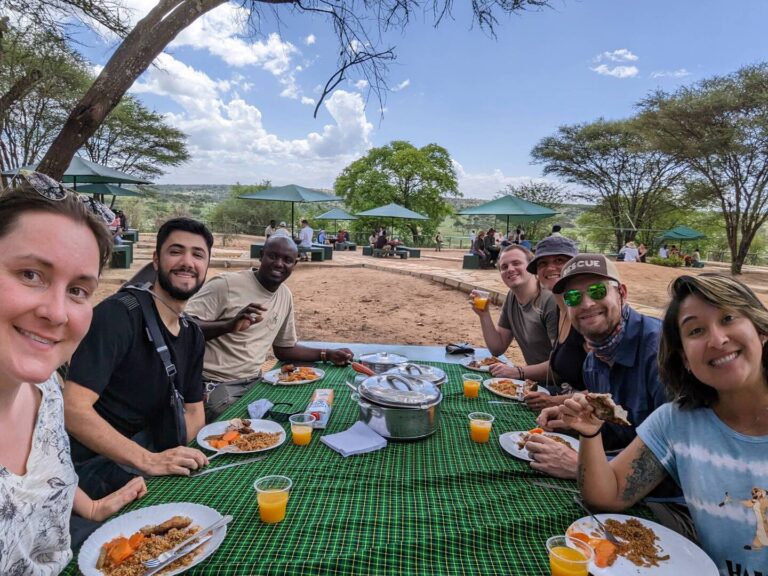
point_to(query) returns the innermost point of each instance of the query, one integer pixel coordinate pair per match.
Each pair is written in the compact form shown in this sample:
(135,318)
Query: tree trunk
(20,89)
(139,49)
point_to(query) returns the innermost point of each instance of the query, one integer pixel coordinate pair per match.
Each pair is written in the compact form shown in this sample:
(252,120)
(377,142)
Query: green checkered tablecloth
(442,505)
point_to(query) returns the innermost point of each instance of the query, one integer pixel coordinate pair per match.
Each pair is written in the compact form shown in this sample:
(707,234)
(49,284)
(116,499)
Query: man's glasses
(43,184)
(596,291)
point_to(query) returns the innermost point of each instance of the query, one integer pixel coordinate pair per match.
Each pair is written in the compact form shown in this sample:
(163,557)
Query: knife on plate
(182,552)
(204,471)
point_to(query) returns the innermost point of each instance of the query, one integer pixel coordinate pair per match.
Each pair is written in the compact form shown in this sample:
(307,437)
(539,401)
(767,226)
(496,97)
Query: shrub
(672,261)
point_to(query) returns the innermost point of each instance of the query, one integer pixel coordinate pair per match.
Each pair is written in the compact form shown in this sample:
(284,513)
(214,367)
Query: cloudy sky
(246,101)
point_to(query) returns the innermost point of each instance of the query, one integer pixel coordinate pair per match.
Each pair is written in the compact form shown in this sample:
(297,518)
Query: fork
(231,449)
(168,554)
(608,534)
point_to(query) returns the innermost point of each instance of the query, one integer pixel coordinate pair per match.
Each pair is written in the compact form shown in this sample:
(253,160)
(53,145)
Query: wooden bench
(345,246)
(380,253)
(471,262)
(412,252)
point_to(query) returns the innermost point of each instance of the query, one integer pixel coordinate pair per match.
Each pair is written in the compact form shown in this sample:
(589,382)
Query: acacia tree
(351,20)
(416,178)
(632,182)
(719,129)
(544,194)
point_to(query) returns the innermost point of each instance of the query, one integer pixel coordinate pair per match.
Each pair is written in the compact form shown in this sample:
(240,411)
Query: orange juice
(471,388)
(301,434)
(272,505)
(564,561)
(480,303)
(480,431)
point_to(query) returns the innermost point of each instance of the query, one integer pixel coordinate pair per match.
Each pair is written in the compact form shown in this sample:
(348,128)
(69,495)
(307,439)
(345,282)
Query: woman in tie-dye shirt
(713,437)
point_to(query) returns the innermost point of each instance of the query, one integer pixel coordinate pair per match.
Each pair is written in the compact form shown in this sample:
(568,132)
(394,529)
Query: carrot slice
(120,551)
(136,540)
(605,553)
(536,431)
(580,536)
(230,436)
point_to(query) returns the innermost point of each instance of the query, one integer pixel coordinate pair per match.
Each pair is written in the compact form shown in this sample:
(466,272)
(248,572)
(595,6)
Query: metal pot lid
(429,373)
(383,358)
(399,391)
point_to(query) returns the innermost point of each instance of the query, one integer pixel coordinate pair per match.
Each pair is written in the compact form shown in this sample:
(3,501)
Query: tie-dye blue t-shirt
(724,476)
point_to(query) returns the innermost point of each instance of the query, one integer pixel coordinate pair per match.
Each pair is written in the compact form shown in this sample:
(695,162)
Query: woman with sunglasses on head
(712,439)
(51,255)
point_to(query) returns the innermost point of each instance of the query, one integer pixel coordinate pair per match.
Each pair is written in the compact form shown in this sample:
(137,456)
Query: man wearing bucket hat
(623,347)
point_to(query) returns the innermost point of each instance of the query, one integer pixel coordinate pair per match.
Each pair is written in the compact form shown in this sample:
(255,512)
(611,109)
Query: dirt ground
(353,304)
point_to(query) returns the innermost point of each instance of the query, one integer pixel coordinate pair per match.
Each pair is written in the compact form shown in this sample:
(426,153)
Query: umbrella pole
(507,225)
(292,232)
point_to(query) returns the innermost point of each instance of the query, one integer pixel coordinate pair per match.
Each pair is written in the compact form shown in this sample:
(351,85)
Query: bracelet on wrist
(592,435)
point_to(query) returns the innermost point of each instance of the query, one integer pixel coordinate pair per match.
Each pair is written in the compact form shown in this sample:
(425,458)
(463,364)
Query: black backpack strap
(143,297)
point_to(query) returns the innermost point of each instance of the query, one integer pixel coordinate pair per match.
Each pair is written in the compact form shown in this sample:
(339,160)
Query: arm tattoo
(646,474)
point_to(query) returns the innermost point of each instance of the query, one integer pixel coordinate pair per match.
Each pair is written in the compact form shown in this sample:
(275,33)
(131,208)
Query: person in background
(556,230)
(524,242)
(305,241)
(529,315)
(52,252)
(438,242)
(696,258)
(282,230)
(642,252)
(674,251)
(372,238)
(491,249)
(478,249)
(117,395)
(630,252)
(663,251)
(321,239)
(472,237)
(269,230)
(712,438)
(243,315)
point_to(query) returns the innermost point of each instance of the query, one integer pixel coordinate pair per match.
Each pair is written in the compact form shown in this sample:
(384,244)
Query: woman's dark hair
(24,199)
(722,292)
(184,225)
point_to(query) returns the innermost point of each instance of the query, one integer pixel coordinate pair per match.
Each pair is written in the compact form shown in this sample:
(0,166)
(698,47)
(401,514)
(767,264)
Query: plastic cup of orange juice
(471,385)
(272,497)
(301,428)
(480,425)
(480,299)
(568,556)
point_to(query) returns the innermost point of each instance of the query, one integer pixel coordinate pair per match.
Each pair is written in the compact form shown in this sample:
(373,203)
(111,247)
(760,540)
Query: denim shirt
(632,380)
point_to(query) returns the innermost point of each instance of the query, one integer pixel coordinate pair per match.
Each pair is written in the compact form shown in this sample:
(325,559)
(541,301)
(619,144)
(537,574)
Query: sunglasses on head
(43,184)
(596,291)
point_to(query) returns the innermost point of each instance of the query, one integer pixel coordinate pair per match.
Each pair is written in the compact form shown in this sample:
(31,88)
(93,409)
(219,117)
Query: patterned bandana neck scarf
(606,349)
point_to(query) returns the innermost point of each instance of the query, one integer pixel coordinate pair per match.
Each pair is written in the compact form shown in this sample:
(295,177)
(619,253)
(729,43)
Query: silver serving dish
(380,362)
(431,374)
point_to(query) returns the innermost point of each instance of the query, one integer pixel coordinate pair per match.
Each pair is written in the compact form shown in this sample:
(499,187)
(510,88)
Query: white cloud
(620,55)
(361,84)
(679,73)
(309,40)
(308,101)
(404,84)
(485,185)
(616,71)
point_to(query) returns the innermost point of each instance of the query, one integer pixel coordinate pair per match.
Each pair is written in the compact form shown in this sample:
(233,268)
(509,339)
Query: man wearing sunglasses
(623,348)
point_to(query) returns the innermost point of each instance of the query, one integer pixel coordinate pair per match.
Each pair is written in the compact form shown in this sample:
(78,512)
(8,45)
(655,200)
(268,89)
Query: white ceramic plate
(131,522)
(256,425)
(684,556)
(466,360)
(487,385)
(509,441)
(272,378)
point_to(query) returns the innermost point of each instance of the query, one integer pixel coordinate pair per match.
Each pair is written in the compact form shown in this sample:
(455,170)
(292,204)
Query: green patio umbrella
(82,171)
(393,211)
(336,214)
(107,190)
(521,210)
(291,193)
(682,233)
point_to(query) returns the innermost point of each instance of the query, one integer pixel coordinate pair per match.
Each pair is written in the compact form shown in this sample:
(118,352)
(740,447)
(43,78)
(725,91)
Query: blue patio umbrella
(393,211)
(291,193)
(336,214)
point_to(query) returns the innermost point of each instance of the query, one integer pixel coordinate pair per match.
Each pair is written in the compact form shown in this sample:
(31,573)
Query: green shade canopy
(336,214)
(107,190)
(291,193)
(510,206)
(82,171)
(393,211)
(681,233)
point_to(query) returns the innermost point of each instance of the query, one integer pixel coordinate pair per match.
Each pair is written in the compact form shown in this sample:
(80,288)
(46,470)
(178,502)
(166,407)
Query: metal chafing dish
(431,374)
(380,362)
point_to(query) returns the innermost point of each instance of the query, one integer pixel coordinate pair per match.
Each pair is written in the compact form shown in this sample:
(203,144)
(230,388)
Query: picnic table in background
(440,505)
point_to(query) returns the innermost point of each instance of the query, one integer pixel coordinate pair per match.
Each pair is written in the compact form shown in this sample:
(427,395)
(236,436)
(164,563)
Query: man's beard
(164,279)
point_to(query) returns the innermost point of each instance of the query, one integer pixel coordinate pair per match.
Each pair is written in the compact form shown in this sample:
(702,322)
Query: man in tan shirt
(242,314)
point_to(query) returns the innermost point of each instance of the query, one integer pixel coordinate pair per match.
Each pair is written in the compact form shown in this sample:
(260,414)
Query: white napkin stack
(359,439)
